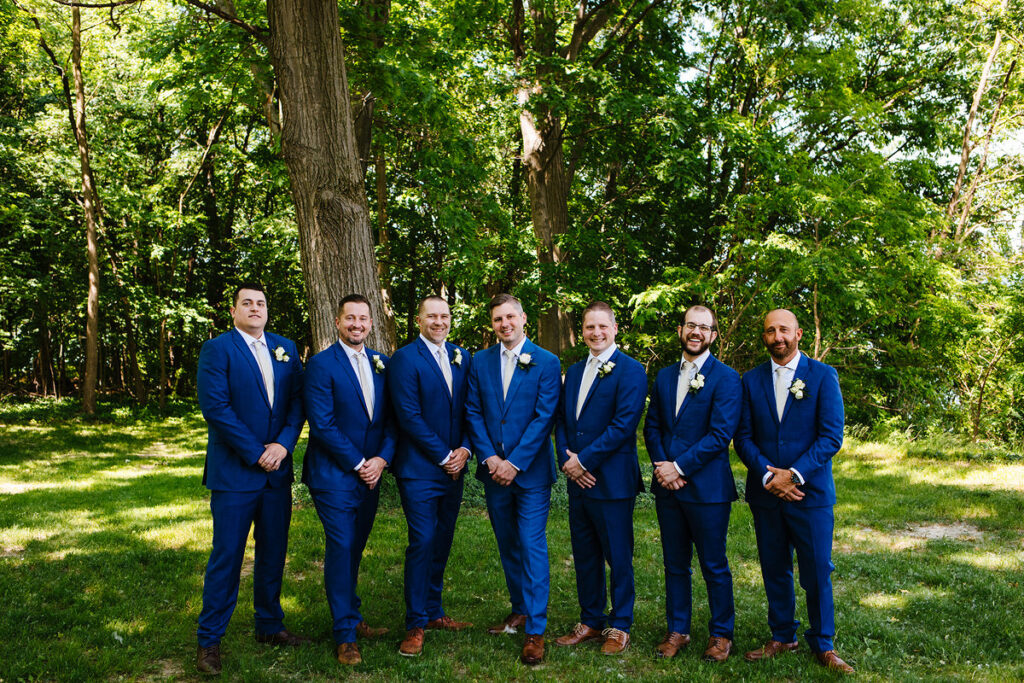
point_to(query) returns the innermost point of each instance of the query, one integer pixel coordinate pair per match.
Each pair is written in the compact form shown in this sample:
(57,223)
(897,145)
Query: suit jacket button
(502,422)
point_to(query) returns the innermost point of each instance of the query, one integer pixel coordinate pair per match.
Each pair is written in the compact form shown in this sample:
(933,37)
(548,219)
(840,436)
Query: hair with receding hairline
(595,306)
(501,300)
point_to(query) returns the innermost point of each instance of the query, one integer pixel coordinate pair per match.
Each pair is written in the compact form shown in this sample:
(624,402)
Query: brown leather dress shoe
(208,659)
(615,641)
(511,624)
(830,660)
(348,653)
(771,649)
(446,623)
(580,633)
(718,649)
(412,646)
(364,630)
(282,637)
(533,650)
(671,644)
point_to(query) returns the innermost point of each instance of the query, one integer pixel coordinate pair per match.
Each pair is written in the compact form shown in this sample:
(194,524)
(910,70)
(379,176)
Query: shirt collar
(791,364)
(249,339)
(434,347)
(517,350)
(604,355)
(350,352)
(698,362)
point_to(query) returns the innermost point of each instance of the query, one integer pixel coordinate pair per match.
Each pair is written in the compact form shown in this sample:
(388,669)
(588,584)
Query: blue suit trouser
(704,526)
(431,509)
(779,531)
(601,532)
(268,512)
(519,518)
(347,517)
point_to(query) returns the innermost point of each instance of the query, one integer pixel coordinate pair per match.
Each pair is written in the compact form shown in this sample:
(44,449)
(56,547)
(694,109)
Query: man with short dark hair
(427,380)
(599,409)
(510,409)
(350,443)
(791,427)
(694,409)
(250,391)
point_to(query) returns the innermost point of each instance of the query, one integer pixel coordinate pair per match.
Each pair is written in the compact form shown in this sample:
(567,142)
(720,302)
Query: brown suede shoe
(718,649)
(615,641)
(580,633)
(830,660)
(208,659)
(412,646)
(446,623)
(511,624)
(533,650)
(671,644)
(348,653)
(771,649)
(282,637)
(364,630)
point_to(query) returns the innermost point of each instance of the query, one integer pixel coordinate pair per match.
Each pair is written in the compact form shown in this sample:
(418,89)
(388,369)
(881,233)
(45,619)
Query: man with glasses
(694,410)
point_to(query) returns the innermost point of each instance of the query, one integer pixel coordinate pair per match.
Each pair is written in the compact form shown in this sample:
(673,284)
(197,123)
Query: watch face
(793,478)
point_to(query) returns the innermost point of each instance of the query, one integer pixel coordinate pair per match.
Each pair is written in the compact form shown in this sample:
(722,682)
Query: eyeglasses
(690,327)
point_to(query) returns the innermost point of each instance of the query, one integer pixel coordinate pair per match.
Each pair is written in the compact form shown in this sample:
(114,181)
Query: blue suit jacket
(810,433)
(340,431)
(430,420)
(604,435)
(516,428)
(239,418)
(698,438)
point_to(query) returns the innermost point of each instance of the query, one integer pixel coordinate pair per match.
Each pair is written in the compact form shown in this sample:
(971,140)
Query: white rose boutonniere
(524,361)
(605,369)
(697,383)
(797,389)
(378,364)
(457,358)
(281,355)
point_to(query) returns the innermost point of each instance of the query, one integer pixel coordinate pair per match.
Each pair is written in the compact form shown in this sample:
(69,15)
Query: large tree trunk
(90,203)
(319,148)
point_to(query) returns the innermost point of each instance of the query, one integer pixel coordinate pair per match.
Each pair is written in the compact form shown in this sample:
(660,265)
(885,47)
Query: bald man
(791,426)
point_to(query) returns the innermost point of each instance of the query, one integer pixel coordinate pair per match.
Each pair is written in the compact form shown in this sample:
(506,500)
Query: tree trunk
(91,205)
(319,148)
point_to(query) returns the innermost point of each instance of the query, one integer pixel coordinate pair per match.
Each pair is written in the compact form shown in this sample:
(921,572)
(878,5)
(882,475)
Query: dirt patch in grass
(957,531)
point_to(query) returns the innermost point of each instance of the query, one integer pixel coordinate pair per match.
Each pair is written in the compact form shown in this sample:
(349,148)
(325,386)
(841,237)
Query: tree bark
(319,148)
(90,203)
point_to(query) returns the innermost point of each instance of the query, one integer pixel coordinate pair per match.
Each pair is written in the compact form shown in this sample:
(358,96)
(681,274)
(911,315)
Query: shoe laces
(615,633)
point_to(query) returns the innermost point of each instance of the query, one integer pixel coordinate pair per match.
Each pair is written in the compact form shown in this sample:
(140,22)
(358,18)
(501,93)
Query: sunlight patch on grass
(20,536)
(884,601)
(193,535)
(868,540)
(1013,562)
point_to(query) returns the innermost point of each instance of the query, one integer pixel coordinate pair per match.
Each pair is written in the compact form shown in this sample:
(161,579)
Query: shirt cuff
(513,465)
(679,469)
(446,459)
(799,476)
(362,461)
(766,478)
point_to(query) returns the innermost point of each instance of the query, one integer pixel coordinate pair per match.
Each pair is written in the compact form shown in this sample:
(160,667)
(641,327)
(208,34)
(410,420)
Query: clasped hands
(272,457)
(574,470)
(501,470)
(782,485)
(453,468)
(372,470)
(668,476)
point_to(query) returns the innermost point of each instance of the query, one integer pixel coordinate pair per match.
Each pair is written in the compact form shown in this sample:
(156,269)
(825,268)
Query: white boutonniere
(281,355)
(524,361)
(378,364)
(797,389)
(697,383)
(605,369)
(457,357)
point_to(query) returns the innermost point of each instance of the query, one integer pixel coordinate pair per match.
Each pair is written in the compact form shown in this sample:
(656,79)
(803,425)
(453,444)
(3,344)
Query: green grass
(105,531)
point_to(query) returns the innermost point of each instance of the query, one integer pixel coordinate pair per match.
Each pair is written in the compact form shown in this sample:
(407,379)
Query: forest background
(861,162)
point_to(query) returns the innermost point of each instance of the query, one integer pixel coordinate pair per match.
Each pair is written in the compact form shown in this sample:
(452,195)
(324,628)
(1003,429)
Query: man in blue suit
(695,406)
(791,427)
(350,443)
(601,403)
(427,380)
(510,410)
(250,392)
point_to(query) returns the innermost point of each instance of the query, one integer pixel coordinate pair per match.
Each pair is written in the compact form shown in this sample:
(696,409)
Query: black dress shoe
(282,637)
(208,659)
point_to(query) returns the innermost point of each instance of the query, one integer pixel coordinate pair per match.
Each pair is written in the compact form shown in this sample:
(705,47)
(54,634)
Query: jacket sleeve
(289,434)
(404,387)
(828,427)
(561,440)
(323,425)
(476,422)
(215,403)
(653,426)
(746,447)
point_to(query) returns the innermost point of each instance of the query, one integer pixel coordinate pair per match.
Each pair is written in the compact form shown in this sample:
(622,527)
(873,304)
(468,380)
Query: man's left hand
(668,476)
(503,472)
(575,471)
(453,468)
(273,455)
(371,471)
(783,486)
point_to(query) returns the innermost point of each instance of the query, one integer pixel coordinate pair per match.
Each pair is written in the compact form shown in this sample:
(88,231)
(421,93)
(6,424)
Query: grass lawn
(105,531)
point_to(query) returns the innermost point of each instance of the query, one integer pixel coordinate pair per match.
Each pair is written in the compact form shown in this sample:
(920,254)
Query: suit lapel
(346,369)
(593,385)
(768,384)
(430,359)
(517,376)
(378,384)
(247,354)
(458,374)
(706,370)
